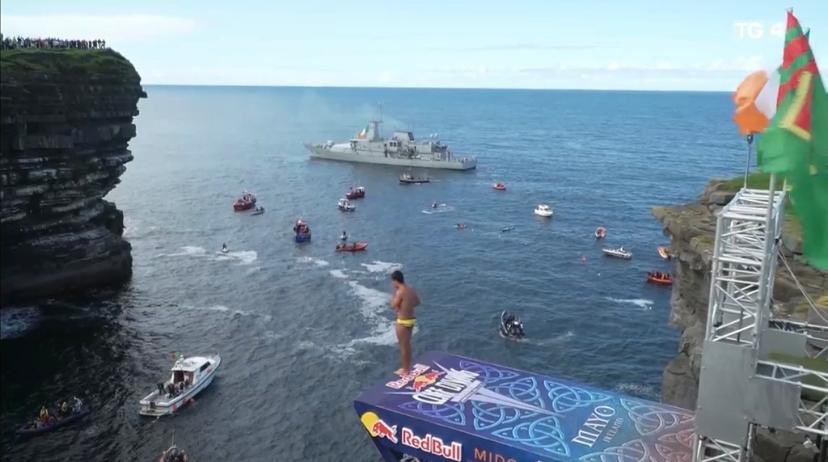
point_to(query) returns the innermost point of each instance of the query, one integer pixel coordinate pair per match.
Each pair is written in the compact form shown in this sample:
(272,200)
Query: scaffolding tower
(756,370)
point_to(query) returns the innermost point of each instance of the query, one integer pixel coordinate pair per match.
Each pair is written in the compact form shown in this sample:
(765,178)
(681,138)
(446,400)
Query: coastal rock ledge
(65,122)
(692,228)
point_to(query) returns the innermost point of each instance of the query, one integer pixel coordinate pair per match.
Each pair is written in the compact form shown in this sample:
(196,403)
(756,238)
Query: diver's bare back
(407,301)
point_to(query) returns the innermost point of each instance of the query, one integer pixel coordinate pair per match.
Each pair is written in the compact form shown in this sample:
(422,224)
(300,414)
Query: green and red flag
(795,144)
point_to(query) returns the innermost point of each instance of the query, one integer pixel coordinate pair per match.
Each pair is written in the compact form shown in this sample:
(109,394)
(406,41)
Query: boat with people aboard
(510,326)
(402,149)
(174,454)
(543,210)
(245,202)
(620,252)
(345,205)
(190,375)
(355,193)
(600,232)
(62,414)
(408,178)
(357,246)
(657,277)
(664,252)
(499,186)
(301,231)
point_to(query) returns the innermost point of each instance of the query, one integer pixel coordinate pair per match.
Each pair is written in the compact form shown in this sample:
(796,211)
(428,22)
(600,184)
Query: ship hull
(318,152)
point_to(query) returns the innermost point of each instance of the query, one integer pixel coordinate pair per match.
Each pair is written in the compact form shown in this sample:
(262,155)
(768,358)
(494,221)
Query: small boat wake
(243,257)
(643,303)
(441,208)
(378,266)
(315,261)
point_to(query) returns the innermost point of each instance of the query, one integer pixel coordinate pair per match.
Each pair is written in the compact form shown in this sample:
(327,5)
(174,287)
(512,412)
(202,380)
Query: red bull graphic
(377,428)
(405,379)
(424,380)
(432,445)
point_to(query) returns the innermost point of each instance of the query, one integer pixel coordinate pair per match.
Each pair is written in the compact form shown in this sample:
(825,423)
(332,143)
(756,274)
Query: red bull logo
(405,379)
(424,380)
(377,428)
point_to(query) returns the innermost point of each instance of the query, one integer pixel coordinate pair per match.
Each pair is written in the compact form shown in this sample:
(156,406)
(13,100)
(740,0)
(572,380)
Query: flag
(795,144)
(363,134)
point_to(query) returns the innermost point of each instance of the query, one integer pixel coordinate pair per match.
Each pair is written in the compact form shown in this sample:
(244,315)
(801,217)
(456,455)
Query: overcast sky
(631,44)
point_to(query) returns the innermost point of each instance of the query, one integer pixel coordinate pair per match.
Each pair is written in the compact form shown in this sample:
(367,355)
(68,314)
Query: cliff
(65,122)
(692,228)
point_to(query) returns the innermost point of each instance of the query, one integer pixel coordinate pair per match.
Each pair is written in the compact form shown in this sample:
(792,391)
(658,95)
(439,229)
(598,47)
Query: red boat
(600,232)
(657,277)
(355,193)
(499,187)
(245,202)
(358,246)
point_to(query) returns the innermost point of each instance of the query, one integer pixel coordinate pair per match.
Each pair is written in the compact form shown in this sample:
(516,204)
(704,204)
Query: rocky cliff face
(65,121)
(692,228)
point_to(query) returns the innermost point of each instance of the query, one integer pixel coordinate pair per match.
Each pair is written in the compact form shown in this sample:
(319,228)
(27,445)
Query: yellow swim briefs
(407,322)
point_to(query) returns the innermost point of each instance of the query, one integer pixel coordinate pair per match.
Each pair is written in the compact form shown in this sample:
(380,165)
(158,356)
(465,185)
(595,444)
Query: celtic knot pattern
(488,374)
(490,415)
(566,398)
(544,433)
(452,413)
(649,418)
(682,438)
(631,451)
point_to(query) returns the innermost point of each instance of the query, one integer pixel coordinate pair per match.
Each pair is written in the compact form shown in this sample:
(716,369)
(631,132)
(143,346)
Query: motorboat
(510,326)
(302,232)
(664,252)
(618,253)
(657,277)
(355,193)
(258,211)
(190,375)
(543,210)
(499,187)
(357,246)
(407,178)
(345,205)
(174,454)
(506,229)
(77,411)
(461,226)
(245,202)
(600,232)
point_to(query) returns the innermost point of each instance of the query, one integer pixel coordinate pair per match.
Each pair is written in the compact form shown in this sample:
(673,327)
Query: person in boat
(77,404)
(403,302)
(64,409)
(344,236)
(44,415)
(434,205)
(224,247)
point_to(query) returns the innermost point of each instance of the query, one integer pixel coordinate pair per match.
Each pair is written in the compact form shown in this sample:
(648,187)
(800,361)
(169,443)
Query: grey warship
(401,149)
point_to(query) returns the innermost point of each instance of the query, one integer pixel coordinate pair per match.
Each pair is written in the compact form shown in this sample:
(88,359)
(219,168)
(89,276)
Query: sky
(582,44)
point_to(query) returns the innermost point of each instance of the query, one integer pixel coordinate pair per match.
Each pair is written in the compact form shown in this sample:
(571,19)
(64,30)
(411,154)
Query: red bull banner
(452,408)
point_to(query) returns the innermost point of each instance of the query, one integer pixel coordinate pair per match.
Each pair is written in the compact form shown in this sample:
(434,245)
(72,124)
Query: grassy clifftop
(91,64)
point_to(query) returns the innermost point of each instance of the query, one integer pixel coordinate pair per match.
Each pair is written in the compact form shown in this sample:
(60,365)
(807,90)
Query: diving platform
(453,408)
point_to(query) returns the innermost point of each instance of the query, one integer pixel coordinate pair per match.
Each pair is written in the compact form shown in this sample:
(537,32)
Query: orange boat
(664,252)
(600,232)
(657,277)
(354,247)
(499,187)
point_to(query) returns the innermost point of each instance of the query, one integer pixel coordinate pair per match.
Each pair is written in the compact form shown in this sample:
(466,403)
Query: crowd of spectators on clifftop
(27,42)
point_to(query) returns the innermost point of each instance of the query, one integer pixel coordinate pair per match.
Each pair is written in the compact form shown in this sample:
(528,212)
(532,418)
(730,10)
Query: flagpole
(749,139)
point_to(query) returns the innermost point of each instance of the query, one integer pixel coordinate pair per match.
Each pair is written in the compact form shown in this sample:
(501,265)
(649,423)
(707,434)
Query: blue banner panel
(460,409)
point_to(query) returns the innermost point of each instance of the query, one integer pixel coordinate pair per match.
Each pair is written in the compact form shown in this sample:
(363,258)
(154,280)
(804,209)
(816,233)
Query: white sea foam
(643,303)
(636,389)
(316,261)
(338,273)
(243,257)
(378,266)
(374,304)
(442,208)
(187,250)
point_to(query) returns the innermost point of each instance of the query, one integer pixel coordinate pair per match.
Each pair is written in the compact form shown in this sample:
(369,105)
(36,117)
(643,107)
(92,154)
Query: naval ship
(401,149)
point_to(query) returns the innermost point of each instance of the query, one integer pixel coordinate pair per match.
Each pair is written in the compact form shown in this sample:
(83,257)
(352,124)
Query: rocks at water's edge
(65,121)
(692,228)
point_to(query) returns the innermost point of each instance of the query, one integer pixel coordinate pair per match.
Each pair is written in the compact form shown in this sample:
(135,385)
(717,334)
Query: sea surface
(301,329)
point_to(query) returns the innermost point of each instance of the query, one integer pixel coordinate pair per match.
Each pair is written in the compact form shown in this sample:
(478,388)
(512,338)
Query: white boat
(189,376)
(543,210)
(618,253)
(345,205)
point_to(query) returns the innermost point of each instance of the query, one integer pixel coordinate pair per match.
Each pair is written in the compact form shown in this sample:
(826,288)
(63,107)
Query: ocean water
(302,329)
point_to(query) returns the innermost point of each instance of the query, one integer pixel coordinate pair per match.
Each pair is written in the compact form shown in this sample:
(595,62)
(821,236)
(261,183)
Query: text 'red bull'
(432,445)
